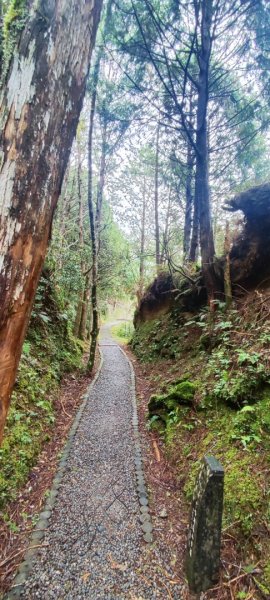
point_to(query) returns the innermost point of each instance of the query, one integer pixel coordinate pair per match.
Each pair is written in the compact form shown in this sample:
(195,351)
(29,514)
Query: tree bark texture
(189,204)
(227,267)
(157,240)
(142,249)
(202,195)
(78,318)
(84,310)
(194,244)
(95,221)
(39,110)
(94,306)
(165,248)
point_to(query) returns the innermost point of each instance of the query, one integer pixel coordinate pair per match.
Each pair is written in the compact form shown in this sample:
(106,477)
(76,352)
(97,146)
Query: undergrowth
(226,359)
(48,352)
(123,332)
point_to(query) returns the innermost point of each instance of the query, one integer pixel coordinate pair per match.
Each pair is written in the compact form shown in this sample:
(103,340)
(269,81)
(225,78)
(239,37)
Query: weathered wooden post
(204,537)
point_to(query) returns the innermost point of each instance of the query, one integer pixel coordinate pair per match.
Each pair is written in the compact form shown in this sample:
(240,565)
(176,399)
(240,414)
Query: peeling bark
(39,111)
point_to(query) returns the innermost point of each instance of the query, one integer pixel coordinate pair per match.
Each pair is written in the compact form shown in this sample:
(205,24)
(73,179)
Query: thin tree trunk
(227,268)
(84,311)
(94,306)
(202,156)
(156,199)
(166,231)
(39,107)
(64,202)
(95,220)
(194,245)
(142,250)
(78,318)
(189,205)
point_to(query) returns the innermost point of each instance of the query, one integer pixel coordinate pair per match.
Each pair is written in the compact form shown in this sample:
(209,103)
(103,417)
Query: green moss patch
(49,351)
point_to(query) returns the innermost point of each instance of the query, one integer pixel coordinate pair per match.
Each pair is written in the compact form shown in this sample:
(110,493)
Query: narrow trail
(94,546)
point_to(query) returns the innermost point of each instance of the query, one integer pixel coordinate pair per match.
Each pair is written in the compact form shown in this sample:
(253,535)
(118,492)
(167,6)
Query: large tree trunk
(39,111)
(202,196)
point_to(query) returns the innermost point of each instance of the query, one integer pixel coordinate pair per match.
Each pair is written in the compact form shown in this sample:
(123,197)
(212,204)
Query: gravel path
(95,544)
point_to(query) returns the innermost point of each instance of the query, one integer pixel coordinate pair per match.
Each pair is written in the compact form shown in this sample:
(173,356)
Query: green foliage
(48,352)
(14,16)
(123,332)
(15,11)
(158,338)
(244,501)
(168,407)
(230,374)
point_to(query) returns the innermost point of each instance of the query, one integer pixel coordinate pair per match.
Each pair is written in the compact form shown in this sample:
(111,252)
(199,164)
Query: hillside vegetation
(49,351)
(211,382)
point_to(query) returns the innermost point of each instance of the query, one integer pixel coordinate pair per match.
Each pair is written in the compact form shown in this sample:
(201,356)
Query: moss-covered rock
(164,407)
(184,392)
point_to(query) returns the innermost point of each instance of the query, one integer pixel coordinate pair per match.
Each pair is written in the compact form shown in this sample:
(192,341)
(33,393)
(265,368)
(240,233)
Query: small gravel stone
(143,500)
(144,509)
(147,527)
(148,538)
(163,514)
(45,514)
(144,517)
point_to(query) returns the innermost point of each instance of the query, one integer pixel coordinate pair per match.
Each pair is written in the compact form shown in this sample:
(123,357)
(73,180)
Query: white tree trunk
(39,110)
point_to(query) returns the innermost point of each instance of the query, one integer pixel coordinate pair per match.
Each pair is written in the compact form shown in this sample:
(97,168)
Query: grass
(122,333)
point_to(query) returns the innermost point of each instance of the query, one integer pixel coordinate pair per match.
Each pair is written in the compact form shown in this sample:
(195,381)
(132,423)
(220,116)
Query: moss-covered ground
(222,361)
(48,352)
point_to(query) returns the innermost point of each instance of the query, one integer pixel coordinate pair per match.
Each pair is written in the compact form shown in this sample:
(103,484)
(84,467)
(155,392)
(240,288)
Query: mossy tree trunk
(39,107)
(85,305)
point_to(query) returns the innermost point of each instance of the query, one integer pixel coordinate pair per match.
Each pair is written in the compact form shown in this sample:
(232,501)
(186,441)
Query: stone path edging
(43,521)
(145,517)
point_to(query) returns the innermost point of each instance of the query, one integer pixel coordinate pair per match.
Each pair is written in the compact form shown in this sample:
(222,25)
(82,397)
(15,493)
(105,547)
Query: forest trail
(93,547)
